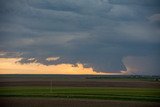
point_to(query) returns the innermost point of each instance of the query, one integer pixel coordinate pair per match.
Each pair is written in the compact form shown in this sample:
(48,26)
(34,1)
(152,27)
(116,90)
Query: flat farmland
(78,81)
(135,94)
(79,90)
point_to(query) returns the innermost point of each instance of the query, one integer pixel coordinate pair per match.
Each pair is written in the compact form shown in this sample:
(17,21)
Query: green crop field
(134,94)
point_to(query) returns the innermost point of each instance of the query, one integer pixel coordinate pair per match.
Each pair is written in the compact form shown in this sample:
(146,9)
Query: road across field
(45,102)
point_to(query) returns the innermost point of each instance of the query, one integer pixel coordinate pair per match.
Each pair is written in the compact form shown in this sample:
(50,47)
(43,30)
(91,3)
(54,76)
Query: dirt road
(45,102)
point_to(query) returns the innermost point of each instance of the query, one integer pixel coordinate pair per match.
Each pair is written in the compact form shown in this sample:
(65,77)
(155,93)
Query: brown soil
(44,102)
(139,84)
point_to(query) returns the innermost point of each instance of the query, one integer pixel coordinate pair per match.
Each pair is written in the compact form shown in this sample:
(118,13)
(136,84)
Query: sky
(80,37)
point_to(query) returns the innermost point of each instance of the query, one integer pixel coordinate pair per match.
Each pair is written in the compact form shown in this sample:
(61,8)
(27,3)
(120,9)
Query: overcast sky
(107,35)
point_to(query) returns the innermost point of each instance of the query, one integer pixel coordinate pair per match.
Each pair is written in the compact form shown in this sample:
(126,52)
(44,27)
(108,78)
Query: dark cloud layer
(96,33)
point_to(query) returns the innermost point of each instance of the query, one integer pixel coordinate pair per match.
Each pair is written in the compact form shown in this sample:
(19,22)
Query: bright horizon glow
(11,66)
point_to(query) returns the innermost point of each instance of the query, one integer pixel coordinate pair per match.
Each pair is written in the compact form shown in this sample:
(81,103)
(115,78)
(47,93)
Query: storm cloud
(96,33)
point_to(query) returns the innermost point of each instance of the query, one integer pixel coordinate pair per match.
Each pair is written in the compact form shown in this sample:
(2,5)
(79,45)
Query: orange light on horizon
(11,66)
